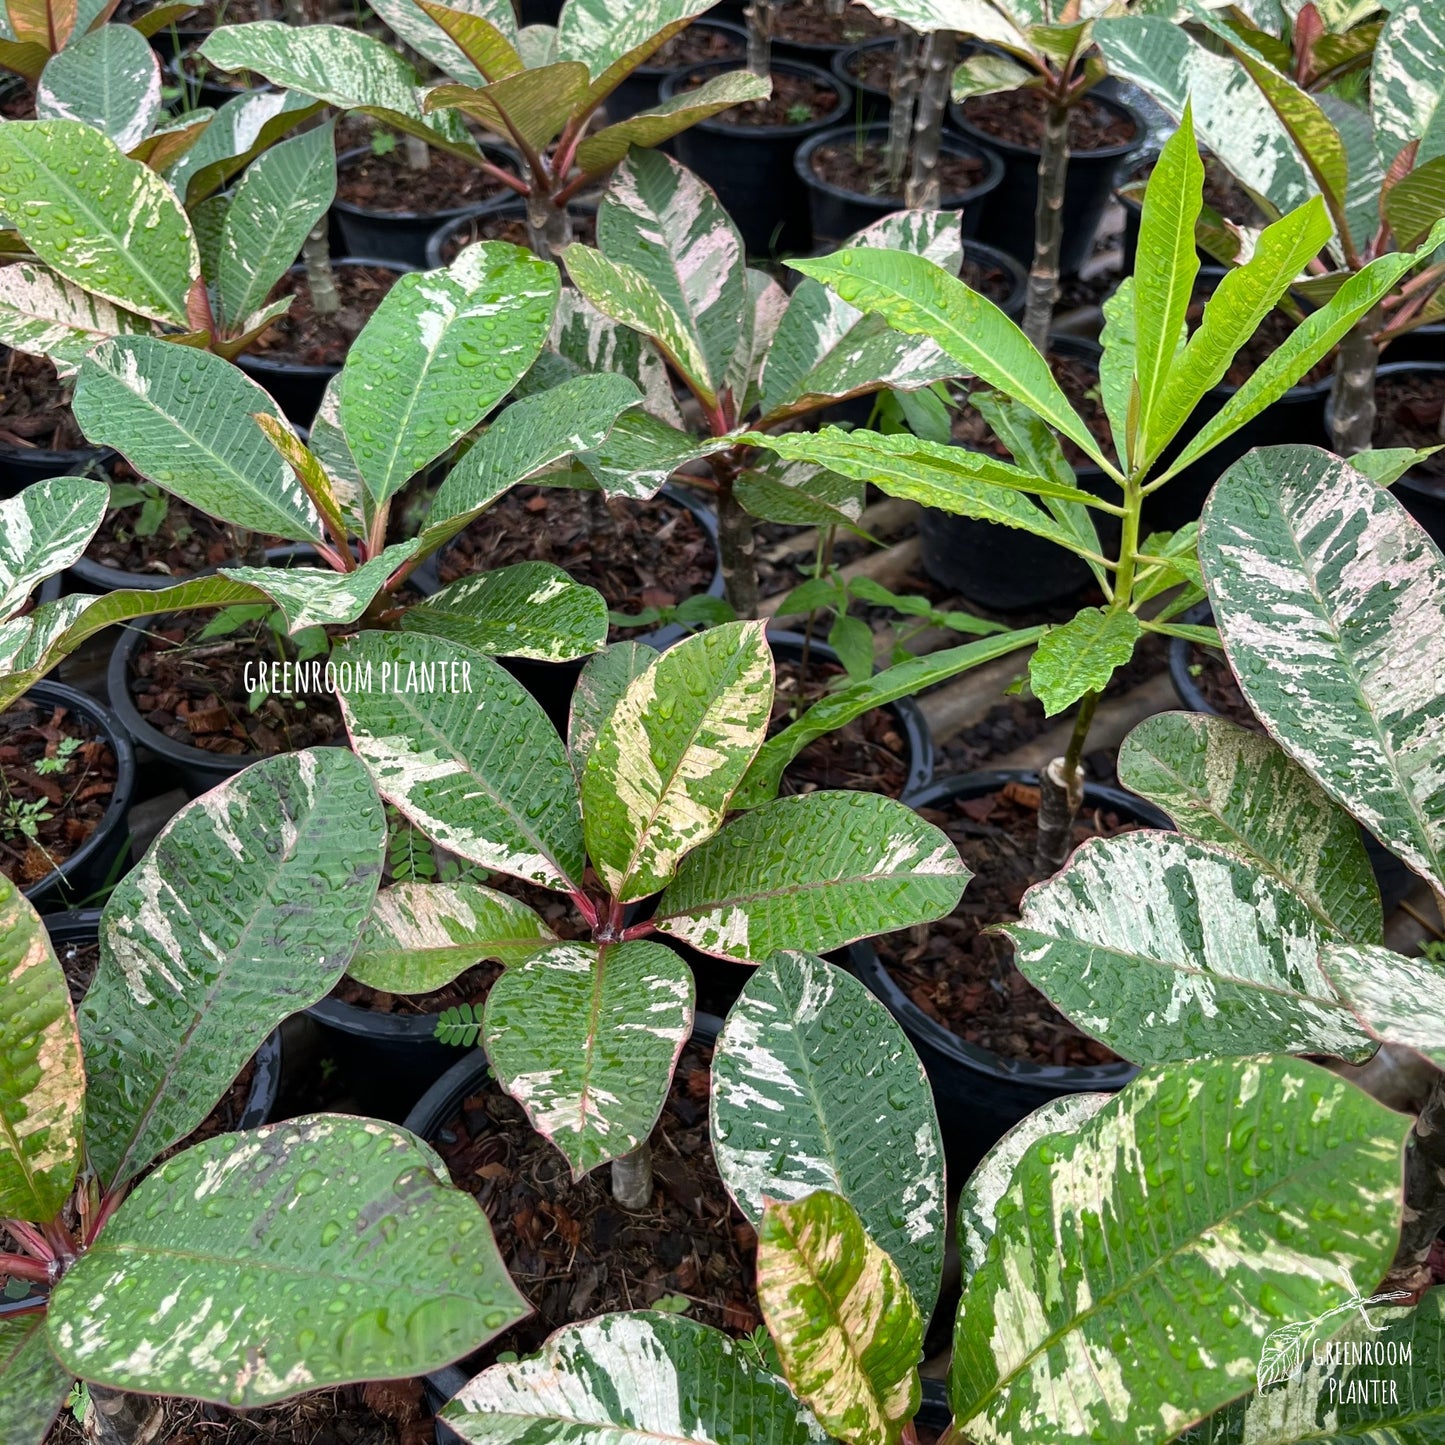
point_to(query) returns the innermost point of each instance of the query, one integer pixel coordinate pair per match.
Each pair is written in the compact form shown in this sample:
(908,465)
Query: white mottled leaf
(1407,82)
(614,40)
(813,871)
(43,313)
(43,530)
(1166,948)
(320,597)
(426,37)
(465,753)
(1398,1000)
(799,494)
(601,686)
(585,1038)
(595,343)
(1330,600)
(109,79)
(792,1112)
(239,131)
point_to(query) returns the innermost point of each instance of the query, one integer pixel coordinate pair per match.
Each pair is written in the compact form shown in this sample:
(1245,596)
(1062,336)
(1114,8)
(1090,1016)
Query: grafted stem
(549,225)
(632,1178)
(1043,287)
(903,102)
(761,15)
(1352,394)
(923,188)
(320,278)
(116,1417)
(737,547)
(1061,794)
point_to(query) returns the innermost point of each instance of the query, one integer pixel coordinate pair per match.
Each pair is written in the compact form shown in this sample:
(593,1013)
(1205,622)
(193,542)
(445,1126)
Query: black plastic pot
(1421,495)
(552,683)
(426,1119)
(400,237)
(871,102)
(1425,343)
(1002,567)
(1009,224)
(640,90)
(515,209)
(981,1095)
(838,213)
(295,387)
(1392,877)
(1011,305)
(751,166)
(100,860)
(215,90)
(21,467)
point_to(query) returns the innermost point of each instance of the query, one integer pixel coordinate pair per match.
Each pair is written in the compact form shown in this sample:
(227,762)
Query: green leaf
(319,597)
(904,679)
(1342,1396)
(531,609)
(277,201)
(916,296)
(1081,656)
(33,1383)
(533,105)
(987,74)
(220,1277)
(792,1113)
(42,313)
(604,148)
(183,418)
(1407,83)
(1386,465)
(420,936)
(647,1378)
(414,25)
(42,1088)
(602,685)
(1166,948)
(1167,263)
(1416,202)
(194,975)
(100,219)
(43,530)
(465,753)
(1331,602)
(848,1330)
(109,79)
(813,871)
(442,349)
(1397,1000)
(586,1039)
(668,758)
(1224,784)
(1091,1248)
(244,128)
(799,494)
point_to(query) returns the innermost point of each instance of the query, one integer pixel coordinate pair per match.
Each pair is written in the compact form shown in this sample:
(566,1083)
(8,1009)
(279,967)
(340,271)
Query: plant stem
(417,153)
(923,189)
(1424,1215)
(903,100)
(1048,224)
(117,1417)
(737,550)
(320,278)
(760,17)
(632,1178)
(549,225)
(1352,394)
(1061,794)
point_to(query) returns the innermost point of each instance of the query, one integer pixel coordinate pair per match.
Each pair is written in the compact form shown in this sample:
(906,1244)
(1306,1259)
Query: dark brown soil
(194,691)
(513,228)
(807,22)
(697,45)
(387,184)
(35,406)
(965,978)
(573,1251)
(636,554)
(1215,679)
(57,774)
(303,337)
(1408,414)
(864,170)
(873,68)
(1273,332)
(1080,382)
(795,100)
(988,280)
(18,104)
(869,754)
(1019,115)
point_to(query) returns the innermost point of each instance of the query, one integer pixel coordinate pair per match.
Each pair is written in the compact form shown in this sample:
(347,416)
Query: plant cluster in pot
(1223,960)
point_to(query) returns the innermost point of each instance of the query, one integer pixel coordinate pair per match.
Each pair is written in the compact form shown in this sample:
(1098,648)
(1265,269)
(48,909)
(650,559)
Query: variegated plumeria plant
(1152,377)
(249,1267)
(436,358)
(1380,171)
(630,809)
(1161,1264)
(539,88)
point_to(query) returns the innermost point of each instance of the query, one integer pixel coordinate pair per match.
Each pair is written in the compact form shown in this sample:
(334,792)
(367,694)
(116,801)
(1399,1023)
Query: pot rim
(887,205)
(672,82)
(476,208)
(1013,149)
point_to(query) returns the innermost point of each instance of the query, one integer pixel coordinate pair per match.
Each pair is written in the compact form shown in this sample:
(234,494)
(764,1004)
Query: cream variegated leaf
(813,871)
(847,1328)
(442,349)
(42,1087)
(241,130)
(763,313)
(420,936)
(44,314)
(109,79)
(530,609)
(641,1377)
(601,686)
(193,976)
(585,1038)
(1398,1000)
(166,144)
(1197,1185)
(412,25)
(464,752)
(1407,82)
(641,453)
(43,530)
(1228,785)
(485,40)
(979,19)
(613,40)
(792,1113)
(665,763)
(594,343)
(1166,948)
(327,444)
(319,597)
(1330,600)
(534,105)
